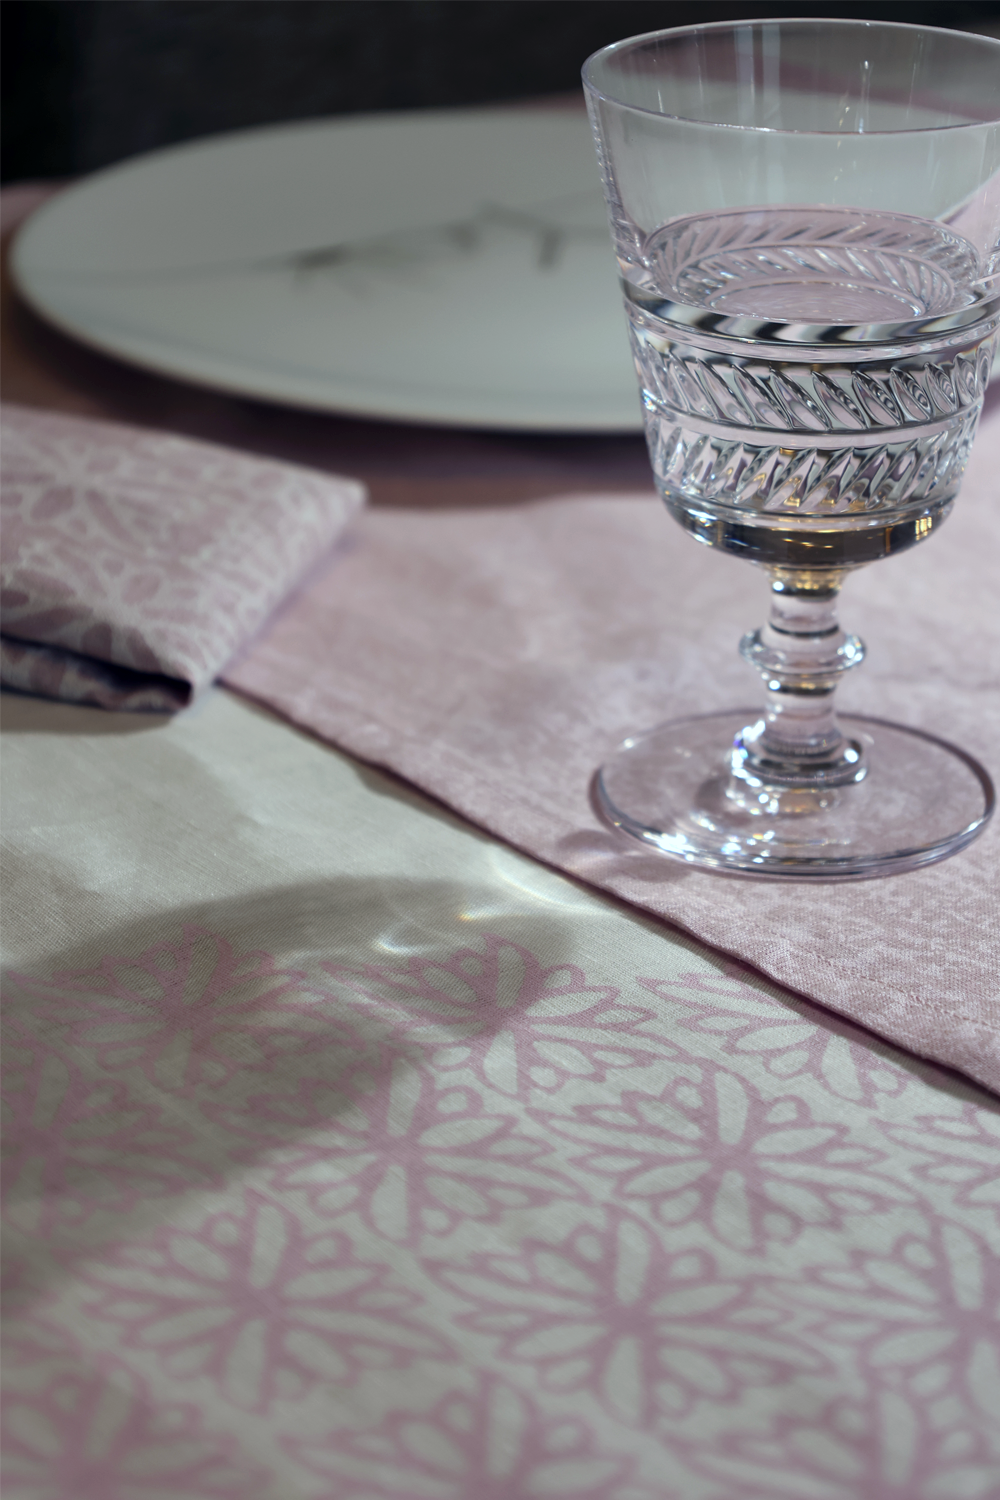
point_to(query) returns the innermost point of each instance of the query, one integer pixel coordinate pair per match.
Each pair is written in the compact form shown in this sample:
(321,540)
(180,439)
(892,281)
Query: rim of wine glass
(985,307)
(814,22)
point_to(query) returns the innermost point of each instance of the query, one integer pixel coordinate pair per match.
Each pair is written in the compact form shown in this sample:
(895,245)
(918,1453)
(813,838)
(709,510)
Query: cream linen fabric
(352,1153)
(494,658)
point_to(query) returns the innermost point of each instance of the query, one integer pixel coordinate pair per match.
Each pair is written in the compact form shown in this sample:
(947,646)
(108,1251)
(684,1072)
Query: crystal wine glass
(806,215)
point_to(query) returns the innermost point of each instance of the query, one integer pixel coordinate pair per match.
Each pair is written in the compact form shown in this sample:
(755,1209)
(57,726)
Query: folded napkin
(134,564)
(495,657)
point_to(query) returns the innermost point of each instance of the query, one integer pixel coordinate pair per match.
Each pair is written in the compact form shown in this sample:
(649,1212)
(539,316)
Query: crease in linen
(494,658)
(134,564)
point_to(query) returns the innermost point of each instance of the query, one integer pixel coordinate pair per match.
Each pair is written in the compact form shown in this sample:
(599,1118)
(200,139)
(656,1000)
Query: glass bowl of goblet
(806,217)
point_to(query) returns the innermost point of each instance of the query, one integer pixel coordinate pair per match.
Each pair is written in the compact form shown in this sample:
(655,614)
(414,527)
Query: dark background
(88,82)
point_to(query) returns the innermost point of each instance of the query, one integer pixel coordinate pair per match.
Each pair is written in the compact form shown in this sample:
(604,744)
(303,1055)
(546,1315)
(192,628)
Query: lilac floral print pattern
(485,1227)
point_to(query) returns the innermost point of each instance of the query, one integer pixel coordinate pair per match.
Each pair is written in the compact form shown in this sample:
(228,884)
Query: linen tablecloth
(354,1154)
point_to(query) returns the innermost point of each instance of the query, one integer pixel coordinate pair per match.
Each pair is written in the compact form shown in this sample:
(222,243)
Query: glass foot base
(679,789)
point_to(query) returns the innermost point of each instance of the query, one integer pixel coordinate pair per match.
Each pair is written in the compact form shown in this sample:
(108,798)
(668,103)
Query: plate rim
(240,380)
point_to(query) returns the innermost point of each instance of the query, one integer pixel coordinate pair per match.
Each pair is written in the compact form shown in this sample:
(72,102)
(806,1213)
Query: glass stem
(801,654)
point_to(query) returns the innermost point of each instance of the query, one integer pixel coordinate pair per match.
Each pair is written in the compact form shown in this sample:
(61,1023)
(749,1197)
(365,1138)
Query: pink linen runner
(135,564)
(493,658)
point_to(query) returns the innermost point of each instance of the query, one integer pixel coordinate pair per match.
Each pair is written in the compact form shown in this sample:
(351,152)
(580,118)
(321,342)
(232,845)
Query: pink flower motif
(73,1145)
(96,1435)
(960,1153)
(494,1444)
(409,1154)
(258,1305)
(916,1327)
(882,1448)
(744,1023)
(612,1313)
(752,1169)
(185,1014)
(524,1027)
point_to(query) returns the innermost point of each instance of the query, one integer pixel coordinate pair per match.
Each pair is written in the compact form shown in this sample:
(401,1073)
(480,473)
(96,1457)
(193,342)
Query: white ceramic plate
(449,267)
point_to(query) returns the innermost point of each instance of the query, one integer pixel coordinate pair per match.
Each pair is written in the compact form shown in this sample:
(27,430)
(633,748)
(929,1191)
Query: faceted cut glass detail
(786,396)
(768,478)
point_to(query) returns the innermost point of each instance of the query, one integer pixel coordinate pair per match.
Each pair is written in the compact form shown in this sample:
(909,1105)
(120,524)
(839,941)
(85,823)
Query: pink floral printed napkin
(135,564)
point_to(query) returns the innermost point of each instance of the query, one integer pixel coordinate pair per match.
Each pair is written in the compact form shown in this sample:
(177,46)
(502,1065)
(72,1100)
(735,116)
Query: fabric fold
(135,563)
